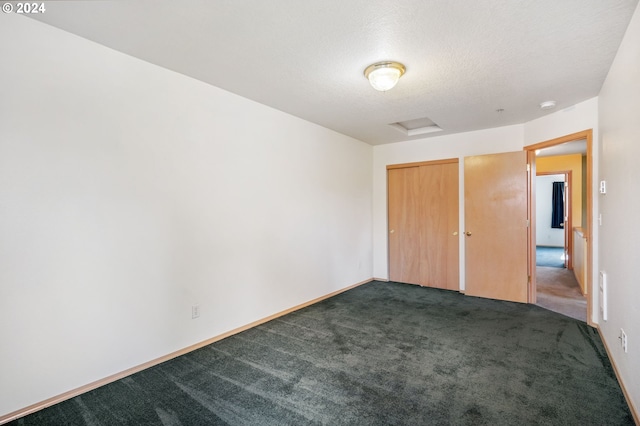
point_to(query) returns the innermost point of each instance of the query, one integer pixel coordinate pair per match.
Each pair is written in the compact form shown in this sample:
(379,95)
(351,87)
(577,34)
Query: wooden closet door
(404,224)
(423,224)
(439,231)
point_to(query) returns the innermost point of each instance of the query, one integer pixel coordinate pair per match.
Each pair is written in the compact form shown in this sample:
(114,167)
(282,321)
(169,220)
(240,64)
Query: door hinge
(527,223)
(528,279)
(528,167)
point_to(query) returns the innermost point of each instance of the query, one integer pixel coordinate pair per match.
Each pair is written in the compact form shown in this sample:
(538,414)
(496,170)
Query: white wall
(545,234)
(576,118)
(620,206)
(129,192)
(491,141)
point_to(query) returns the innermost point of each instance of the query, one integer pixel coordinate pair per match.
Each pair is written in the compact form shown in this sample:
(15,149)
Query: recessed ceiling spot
(417,126)
(548,105)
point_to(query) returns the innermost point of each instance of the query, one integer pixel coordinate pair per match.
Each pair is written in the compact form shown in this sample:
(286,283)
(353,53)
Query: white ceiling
(567,148)
(465,59)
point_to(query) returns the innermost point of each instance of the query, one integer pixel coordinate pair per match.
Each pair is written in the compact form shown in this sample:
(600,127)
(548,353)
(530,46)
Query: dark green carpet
(382,353)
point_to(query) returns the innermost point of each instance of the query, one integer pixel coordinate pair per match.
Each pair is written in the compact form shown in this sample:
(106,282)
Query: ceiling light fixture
(548,105)
(384,75)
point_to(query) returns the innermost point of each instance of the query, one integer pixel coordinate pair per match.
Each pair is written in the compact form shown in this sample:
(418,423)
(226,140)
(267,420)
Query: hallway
(559,291)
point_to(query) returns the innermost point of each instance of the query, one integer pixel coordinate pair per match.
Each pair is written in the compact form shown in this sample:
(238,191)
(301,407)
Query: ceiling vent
(417,126)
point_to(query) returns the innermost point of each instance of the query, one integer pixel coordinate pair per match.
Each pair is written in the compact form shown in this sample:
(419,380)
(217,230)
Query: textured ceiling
(465,59)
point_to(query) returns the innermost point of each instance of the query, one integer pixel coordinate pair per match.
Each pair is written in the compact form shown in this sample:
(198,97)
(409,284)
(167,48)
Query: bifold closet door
(423,224)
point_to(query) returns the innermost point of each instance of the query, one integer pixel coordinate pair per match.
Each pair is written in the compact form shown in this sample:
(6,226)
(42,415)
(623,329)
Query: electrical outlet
(623,340)
(195,311)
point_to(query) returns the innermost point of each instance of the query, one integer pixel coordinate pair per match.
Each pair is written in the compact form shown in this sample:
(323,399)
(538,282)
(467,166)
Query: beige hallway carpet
(559,291)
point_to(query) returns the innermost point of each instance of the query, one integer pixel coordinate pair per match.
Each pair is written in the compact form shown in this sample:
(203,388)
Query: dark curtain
(557,205)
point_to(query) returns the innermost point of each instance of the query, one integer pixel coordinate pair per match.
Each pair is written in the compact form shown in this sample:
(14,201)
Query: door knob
(468,234)
(455,233)
(392,231)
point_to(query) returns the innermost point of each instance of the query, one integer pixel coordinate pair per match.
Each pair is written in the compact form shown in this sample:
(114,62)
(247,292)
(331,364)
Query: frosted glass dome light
(384,75)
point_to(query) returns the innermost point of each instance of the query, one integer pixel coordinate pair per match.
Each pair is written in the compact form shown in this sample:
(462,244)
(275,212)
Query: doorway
(580,143)
(557,286)
(554,219)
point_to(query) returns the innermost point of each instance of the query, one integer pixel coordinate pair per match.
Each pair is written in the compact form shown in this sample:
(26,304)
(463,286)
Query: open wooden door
(495,189)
